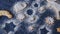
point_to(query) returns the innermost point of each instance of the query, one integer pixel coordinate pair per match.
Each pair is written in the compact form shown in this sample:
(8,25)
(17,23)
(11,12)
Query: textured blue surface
(7,4)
